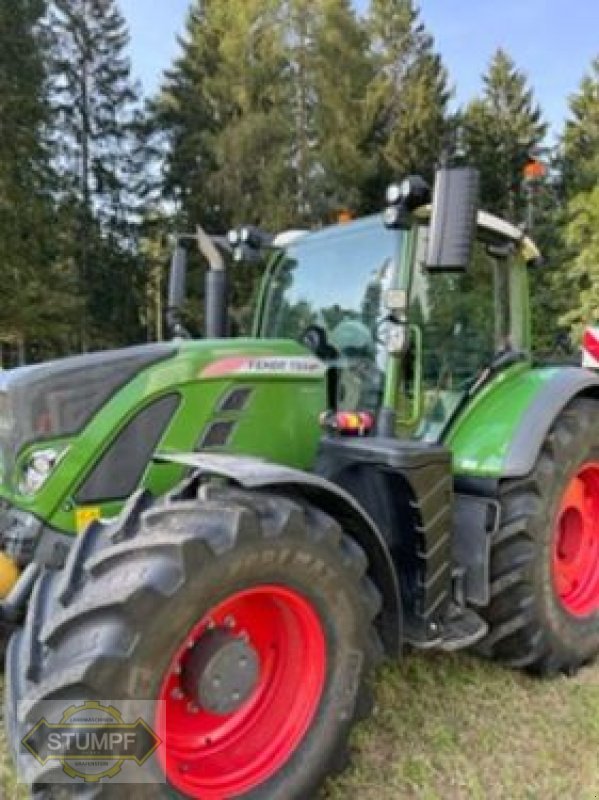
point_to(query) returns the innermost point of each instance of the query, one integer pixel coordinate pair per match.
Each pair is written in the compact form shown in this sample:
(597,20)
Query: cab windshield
(333,281)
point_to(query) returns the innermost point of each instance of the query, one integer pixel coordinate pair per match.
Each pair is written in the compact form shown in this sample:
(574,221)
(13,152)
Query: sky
(552,41)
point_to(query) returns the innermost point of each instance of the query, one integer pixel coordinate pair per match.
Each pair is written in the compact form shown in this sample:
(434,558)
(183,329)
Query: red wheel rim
(576,544)
(214,757)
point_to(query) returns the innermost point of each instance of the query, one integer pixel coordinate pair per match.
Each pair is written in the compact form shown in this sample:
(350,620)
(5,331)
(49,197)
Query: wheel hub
(222,672)
(240,692)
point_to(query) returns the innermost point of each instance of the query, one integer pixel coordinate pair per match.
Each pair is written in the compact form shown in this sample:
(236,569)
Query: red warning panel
(590,348)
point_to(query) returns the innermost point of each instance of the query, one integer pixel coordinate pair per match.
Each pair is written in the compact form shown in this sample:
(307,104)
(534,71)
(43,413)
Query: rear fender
(501,431)
(540,415)
(252,473)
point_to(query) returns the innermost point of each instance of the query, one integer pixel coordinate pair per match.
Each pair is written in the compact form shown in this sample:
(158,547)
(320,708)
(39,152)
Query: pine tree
(579,276)
(96,114)
(343,74)
(500,130)
(331,72)
(224,112)
(408,97)
(581,136)
(35,291)
(264,112)
(551,294)
(582,239)
(253,171)
(183,121)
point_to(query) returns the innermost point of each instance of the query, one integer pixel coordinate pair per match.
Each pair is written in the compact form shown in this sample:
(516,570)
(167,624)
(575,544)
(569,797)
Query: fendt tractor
(382,467)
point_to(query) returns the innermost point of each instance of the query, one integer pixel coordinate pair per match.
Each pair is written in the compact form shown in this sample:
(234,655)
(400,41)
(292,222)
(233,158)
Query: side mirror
(453,220)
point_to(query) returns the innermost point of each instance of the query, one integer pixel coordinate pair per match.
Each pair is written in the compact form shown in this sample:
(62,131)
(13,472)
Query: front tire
(180,590)
(544,609)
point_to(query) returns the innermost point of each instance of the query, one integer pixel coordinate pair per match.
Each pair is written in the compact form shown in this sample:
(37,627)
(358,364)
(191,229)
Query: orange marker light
(535,170)
(348,423)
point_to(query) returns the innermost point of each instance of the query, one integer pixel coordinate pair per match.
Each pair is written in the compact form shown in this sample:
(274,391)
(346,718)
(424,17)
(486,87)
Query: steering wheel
(315,338)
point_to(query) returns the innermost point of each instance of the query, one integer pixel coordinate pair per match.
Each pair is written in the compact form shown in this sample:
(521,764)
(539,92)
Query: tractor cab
(414,325)
(350,291)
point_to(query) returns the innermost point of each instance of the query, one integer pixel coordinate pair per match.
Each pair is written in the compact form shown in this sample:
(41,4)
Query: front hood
(75,411)
(58,398)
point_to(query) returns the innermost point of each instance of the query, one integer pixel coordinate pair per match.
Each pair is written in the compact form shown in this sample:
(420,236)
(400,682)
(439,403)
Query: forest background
(281,113)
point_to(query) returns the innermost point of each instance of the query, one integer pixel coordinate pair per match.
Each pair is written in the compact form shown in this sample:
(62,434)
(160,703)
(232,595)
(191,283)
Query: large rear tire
(544,609)
(168,598)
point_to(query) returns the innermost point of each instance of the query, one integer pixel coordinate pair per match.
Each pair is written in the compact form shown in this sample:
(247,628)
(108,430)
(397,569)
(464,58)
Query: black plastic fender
(254,473)
(568,383)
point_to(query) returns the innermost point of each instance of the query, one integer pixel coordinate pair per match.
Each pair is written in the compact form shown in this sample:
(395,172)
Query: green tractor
(382,466)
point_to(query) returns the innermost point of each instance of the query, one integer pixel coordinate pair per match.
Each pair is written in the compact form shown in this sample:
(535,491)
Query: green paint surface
(280,421)
(481,435)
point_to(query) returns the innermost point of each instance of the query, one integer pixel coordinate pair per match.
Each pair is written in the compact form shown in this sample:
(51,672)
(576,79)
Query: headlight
(37,469)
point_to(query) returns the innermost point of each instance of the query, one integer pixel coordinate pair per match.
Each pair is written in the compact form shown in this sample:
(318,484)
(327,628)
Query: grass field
(453,728)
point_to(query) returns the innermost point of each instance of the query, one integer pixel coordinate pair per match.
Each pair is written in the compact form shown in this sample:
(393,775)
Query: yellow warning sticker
(86,515)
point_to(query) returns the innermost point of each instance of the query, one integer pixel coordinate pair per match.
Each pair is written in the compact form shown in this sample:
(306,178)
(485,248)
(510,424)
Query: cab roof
(497,227)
